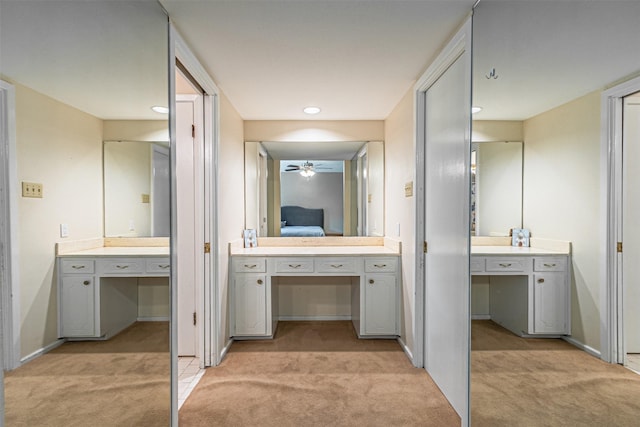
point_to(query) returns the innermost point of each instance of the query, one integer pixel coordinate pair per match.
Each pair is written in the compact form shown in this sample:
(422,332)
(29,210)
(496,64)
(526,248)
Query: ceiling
(313,150)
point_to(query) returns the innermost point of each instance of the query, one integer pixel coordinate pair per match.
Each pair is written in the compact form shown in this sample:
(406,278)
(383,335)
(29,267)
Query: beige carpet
(316,374)
(120,382)
(546,382)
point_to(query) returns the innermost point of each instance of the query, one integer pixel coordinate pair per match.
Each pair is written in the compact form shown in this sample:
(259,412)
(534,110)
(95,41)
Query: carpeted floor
(316,374)
(546,382)
(124,381)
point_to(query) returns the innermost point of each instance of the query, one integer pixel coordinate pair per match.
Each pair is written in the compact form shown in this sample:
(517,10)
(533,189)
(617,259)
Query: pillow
(283,223)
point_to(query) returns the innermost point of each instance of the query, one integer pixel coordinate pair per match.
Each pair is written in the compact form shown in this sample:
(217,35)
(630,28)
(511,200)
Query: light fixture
(307,173)
(475,110)
(160,109)
(311,110)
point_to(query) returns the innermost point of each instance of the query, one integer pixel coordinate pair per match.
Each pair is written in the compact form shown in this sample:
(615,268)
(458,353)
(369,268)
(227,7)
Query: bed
(296,221)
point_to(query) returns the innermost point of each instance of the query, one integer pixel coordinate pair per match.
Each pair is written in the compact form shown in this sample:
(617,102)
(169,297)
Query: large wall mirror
(306,189)
(84,72)
(540,68)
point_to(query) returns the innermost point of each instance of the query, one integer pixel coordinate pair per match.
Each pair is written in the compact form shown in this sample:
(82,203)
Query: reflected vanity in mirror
(81,73)
(314,188)
(136,189)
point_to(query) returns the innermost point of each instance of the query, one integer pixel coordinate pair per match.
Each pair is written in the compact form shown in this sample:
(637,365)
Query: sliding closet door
(444,104)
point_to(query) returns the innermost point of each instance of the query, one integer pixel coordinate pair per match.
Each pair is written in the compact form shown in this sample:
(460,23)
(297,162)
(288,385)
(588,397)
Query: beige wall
(136,130)
(60,147)
(562,196)
(400,210)
(496,130)
(313,130)
(230,195)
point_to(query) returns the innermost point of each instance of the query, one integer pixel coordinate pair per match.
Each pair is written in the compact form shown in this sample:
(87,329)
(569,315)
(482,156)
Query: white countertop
(513,250)
(313,251)
(110,251)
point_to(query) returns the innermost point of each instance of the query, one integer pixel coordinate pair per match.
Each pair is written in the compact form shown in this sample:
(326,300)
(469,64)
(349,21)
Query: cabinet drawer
(380,265)
(250,265)
(121,266)
(505,264)
(337,265)
(549,264)
(71,266)
(477,265)
(294,265)
(158,265)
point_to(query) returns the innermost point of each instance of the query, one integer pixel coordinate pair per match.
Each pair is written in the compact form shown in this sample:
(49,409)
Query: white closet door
(446,108)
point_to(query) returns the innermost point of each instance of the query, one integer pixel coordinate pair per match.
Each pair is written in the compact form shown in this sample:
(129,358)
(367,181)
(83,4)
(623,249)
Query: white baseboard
(42,351)
(313,318)
(406,349)
(592,351)
(480,317)
(153,319)
(225,349)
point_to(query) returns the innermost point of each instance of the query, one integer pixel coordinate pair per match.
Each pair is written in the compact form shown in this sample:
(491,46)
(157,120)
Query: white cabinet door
(78,306)
(549,303)
(380,304)
(250,304)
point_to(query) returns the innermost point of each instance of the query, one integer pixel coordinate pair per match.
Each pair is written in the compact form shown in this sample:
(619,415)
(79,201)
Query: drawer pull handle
(250,266)
(380,265)
(549,265)
(86,283)
(371,281)
(505,265)
(77,267)
(295,265)
(164,265)
(540,280)
(259,281)
(122,267)
(336,265)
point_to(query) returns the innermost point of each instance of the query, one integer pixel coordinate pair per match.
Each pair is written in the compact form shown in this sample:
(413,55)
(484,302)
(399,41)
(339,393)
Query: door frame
(209,327)
(611,292)
(10,293)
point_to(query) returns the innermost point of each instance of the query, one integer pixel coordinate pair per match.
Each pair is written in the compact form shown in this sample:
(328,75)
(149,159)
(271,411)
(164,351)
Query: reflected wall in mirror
(345,180)
(136,189)
(76,68)
(496,193)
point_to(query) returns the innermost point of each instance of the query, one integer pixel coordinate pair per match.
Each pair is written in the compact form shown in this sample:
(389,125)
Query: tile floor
(633,362)
(189,373)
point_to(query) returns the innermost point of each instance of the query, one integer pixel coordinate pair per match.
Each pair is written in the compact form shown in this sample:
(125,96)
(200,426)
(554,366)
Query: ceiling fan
(306,166)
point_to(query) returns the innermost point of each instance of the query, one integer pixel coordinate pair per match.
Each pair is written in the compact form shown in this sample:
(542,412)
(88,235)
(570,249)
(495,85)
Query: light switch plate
(31,189)
(408,189)
(145,198)
(64,230)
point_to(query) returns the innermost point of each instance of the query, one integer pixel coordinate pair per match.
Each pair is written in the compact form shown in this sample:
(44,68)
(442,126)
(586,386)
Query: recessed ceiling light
(160,109)
(311,110)
(475,110)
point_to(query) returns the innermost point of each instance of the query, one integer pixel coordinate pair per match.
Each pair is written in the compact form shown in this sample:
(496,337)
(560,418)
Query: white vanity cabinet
(98,292)
(529,289)
(375,290)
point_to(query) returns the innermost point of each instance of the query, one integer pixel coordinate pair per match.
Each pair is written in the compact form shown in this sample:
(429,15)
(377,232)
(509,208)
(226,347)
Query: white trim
(314,318)
(405,348)
(44,350)
(153,319)
(226,348)
(592,351)
(480,317)
(610,212)
(10,298)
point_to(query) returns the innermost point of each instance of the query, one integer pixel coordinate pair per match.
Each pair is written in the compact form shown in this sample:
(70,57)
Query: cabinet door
(78,306)
(380,304)
(250,304)
(549,303)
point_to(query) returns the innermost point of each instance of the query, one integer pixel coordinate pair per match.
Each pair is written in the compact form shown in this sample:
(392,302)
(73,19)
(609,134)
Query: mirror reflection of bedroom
(88,341)
(537,341)
(314,189)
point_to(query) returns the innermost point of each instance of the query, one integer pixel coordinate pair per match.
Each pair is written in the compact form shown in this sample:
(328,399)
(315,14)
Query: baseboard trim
(480,317)
(225,349)
(153,319)
(28,358)
(406,349)
(313,318)
(574,342)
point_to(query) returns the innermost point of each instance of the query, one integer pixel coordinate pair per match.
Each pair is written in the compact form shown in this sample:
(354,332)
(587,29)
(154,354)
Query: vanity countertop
(514,250)
(313,251)
(111,251)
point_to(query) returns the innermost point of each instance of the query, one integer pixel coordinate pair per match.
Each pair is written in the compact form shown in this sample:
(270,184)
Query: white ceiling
(312,150)
(355,59)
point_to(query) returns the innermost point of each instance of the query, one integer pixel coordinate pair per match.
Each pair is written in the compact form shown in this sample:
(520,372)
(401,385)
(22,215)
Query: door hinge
(207,248)
(424,246)
(193,131)
(619,247)
(194,318)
